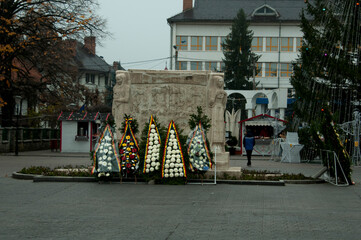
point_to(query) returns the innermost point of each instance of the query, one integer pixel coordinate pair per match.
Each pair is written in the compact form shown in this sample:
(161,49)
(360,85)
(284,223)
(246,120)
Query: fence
(334,172)
(29,139)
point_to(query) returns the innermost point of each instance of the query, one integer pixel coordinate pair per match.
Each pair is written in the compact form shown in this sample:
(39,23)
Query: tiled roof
(90,62)
(226,10)
(82,116)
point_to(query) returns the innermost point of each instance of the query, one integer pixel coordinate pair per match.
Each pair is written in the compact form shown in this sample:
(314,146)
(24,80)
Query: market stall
(264,128)
(79,130)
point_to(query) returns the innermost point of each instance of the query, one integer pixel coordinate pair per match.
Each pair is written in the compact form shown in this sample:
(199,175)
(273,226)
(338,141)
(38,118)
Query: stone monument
(173,95)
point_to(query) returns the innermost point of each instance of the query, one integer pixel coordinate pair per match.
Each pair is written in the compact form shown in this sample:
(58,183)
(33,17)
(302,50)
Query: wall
(29,139)
(68,143)
(171,95)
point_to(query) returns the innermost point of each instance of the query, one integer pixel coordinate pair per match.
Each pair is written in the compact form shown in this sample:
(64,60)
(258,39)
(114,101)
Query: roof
(226,11)
(90,62)
(262,117)
(82,116)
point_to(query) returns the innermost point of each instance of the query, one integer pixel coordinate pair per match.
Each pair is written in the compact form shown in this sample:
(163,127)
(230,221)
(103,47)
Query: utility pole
(176,57)
(17,102)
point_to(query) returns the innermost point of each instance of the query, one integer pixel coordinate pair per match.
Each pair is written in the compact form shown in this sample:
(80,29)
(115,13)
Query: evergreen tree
(327,74)
(239,60)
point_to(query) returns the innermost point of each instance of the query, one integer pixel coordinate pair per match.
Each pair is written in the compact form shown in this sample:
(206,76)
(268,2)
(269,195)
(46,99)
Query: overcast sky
(140,31)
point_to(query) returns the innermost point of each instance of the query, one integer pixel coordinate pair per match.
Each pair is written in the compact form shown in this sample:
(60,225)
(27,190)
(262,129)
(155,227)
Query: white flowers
(152,161)
(198,154)
(173,159)
(105,155)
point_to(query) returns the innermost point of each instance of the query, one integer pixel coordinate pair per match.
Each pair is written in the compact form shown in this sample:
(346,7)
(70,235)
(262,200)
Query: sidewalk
(262,163)
(47,153)
(10,163)
(265,163)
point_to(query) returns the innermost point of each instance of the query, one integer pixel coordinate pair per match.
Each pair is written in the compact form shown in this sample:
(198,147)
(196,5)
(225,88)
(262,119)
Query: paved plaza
(50,210)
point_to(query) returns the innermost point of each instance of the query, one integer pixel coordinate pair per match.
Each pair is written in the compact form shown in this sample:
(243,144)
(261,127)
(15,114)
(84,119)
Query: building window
(197,43)
(211,43)
(287,44)
(82,129)
(106,80)
(182,65)
(272,44)
(286,70)
(259,69)
(182,42)
(271,70)
(223,41)
(298,43)
(211,66)
(257,44)
(90,78)
(223,66)
(265,10)
(196,66)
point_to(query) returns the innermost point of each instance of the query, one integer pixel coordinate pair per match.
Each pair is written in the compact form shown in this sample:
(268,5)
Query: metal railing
(334,170)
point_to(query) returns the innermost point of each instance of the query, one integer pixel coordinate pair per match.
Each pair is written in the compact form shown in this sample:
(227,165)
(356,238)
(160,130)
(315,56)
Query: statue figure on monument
(217,104)
(121,94)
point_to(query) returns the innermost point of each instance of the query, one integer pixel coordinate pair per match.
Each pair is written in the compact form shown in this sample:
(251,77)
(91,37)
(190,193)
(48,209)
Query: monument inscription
(171,95)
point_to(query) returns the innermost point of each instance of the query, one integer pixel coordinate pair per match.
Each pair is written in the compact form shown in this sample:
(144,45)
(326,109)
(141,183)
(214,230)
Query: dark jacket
(249,141)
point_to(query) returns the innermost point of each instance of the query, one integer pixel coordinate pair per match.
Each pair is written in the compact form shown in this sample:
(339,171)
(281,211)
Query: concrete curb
(22,176)
(239,182)
(252,182)
(41,178)
(63,179)
(315,181)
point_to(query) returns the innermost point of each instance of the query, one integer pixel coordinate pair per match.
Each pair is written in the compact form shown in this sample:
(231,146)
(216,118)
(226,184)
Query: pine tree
(327,76)
(327,72)
(239,60)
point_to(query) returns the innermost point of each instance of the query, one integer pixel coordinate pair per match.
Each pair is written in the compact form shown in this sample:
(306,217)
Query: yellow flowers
(127,137)
(6,48)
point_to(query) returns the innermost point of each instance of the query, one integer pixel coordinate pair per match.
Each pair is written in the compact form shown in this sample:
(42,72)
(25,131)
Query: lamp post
(17,102)
(176,57)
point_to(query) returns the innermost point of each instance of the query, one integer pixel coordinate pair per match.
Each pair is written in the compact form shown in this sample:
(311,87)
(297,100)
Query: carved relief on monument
(171,96)
(217,99)
(121,95)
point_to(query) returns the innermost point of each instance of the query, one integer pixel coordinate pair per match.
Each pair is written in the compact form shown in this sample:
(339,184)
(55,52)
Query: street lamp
(176,57)
(17,102)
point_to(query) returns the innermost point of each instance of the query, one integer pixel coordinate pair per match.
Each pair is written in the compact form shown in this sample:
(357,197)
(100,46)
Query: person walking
(248,143)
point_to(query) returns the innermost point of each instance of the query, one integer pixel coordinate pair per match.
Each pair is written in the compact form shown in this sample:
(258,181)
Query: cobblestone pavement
(61,210)
(10,163)
(126,211)
(266,163)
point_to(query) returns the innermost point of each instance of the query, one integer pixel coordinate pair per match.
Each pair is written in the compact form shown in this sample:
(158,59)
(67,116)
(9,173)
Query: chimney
(89,43)
(187,4)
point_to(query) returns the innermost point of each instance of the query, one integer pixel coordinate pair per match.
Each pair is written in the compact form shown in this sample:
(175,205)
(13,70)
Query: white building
(198,33)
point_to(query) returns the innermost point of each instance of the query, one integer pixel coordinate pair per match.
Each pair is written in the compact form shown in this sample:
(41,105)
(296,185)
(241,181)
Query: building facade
(93,71)
(197,34)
